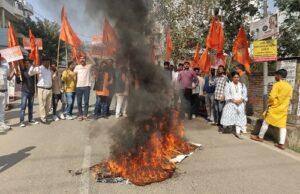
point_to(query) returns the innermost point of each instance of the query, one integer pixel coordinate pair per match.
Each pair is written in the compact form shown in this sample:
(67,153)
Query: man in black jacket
(28,91)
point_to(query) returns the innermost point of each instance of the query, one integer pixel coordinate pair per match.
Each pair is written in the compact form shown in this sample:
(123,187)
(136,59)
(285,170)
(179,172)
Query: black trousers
(186,101)
(195,104)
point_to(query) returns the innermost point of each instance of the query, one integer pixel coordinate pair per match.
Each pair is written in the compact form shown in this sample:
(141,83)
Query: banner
(265,50)
(12,54)
(38,42)
(265,28)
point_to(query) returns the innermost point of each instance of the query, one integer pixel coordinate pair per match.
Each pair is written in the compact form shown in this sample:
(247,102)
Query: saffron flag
(215,38)
(34,55)
(12,38)
(169,46)
(110,39)
(204,61)
(240,49)
(196,55)
(67,33)
(74,54)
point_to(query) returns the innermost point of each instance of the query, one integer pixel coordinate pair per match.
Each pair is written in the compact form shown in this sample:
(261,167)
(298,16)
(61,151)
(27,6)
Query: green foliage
(45,29)
(190,20)
(289,38)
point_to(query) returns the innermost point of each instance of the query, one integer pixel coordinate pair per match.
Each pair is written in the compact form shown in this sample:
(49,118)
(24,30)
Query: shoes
(22,125)
(44,120)
(69,117)
(34,122)
(85,118)
(256,138)
(125,115)
(55,118)
(280,146)
(237,135)
(117,116)
(244,132)
(194,116)
(62,116)
(80,118)
(74,117)
(5,127)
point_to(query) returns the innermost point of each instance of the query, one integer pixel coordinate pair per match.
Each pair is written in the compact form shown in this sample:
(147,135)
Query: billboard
(265,28)
(264,50)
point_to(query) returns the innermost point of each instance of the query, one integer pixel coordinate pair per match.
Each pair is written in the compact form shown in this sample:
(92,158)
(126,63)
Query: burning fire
(150,162)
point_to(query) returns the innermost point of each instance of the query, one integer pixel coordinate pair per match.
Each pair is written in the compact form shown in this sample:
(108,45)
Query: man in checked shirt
(219,101)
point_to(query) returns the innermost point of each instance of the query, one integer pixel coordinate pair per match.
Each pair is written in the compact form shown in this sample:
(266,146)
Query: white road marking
(85,177)
(283,152)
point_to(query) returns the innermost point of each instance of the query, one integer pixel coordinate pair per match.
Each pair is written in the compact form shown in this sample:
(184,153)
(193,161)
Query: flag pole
(66,54)
(58,47)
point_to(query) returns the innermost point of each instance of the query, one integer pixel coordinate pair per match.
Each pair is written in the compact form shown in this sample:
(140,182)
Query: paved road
(36,159)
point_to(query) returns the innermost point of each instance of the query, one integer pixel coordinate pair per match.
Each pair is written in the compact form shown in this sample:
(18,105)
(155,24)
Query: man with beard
(83,86)
(27,93)
(186,79)
(278,105)
(219,100)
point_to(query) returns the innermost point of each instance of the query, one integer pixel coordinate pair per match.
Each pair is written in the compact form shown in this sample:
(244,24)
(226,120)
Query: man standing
(83,87)
(186,79)
(58,95)
(243,75)
(278,105)
(5,74)
(69,79)
(111,87)
(209,90)
(219,100)
(197,92)
(121,84)
(28,91)
(44,86)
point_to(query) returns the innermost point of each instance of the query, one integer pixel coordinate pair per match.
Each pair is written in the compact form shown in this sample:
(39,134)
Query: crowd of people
(224,95)
(221,95)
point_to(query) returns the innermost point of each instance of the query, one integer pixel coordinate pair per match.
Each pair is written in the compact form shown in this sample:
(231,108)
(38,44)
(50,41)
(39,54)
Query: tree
(289,37)
(44,29)
(189,21)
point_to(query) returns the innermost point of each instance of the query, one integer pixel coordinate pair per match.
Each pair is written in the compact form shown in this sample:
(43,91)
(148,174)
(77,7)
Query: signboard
(12,54)
(265,28)
(265,50)
(97,39)
(291,67)
(38,42)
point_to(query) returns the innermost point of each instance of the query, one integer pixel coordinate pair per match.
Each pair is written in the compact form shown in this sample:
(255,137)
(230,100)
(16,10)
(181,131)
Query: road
(36,159)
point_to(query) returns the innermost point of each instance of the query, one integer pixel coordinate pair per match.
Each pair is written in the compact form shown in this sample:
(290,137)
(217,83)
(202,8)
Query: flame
(150,162)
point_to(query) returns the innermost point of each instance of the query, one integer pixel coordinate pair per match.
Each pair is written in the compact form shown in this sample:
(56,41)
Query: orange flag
(240,49)
(34,54)
(74,54)
(110,38)
(169,46)
(204,61)
(196,55)
(67,34)
(215,38)
(12,38)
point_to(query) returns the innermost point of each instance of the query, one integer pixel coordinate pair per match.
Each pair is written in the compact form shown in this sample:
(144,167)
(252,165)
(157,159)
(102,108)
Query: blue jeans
(85,93)
(27,99)
(101,106)
(70,97)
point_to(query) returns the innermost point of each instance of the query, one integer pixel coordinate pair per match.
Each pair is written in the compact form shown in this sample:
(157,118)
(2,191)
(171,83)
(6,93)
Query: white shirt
(4,71)
(199,87)
(44,74)
(83,75)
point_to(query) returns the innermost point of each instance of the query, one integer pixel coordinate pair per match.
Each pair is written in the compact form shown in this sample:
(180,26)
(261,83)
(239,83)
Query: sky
(83,26)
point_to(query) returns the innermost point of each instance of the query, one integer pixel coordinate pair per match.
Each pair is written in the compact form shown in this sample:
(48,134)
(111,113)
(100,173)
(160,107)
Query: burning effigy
(151,140)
